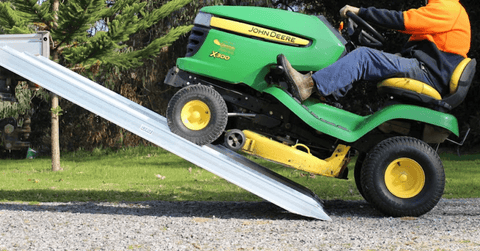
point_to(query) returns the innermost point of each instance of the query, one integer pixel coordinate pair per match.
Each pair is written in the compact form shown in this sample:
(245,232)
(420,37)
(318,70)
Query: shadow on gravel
(224,210)
(233,210)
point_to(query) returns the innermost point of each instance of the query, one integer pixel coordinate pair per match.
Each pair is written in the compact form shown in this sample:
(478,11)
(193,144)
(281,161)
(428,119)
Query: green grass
(462,176)
(149,173)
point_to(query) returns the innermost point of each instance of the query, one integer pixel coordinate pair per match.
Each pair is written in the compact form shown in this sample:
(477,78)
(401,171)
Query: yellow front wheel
(402,176)
(197,113)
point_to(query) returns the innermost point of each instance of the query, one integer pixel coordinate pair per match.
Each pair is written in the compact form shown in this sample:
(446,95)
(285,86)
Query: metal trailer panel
(153,127)
(37,44)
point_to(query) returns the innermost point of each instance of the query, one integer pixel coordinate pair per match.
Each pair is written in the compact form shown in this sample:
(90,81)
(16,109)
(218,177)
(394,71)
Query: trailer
(14,132)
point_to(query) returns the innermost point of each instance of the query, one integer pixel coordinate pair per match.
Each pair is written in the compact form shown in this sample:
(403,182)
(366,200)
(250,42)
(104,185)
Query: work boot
(300,85)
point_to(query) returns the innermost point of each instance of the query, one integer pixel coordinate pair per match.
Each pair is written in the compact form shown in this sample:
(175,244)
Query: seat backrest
(460,82)
(455,79)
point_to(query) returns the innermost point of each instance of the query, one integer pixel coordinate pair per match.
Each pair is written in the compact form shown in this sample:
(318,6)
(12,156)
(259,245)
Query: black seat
(423,94)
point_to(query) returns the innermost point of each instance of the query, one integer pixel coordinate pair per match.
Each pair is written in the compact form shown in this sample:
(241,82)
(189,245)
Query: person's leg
(301,86)
(366,64)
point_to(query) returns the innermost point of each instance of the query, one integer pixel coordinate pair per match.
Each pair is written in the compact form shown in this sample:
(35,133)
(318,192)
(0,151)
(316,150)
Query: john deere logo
(225,47)
(270,34)
(255,31)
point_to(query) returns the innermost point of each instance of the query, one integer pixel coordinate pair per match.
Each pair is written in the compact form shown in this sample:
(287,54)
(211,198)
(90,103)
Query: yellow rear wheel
(404,178)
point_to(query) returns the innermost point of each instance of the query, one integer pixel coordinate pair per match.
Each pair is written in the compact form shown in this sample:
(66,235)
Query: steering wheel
(361,31)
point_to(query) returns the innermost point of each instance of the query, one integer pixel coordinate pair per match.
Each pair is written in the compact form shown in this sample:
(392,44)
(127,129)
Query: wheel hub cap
(405,178)
(195,115)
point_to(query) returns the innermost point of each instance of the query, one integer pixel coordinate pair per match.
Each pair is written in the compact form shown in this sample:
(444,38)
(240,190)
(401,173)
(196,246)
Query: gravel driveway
(157,225)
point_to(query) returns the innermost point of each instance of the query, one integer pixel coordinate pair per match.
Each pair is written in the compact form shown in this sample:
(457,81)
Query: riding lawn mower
(232,91)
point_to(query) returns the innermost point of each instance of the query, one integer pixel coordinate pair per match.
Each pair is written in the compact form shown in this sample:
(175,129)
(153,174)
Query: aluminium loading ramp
(153,127)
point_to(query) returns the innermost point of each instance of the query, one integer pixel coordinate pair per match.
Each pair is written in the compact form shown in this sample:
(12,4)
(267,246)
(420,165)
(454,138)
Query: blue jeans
(366,64)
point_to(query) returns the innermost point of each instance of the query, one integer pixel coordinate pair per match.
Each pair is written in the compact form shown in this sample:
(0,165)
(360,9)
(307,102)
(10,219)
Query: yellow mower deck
(292,156)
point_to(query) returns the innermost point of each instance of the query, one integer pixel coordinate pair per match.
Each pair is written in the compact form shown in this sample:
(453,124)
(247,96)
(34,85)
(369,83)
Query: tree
(87,34)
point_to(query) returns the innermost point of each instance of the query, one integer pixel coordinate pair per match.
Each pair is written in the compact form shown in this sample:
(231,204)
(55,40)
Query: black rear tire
(403,176)
(357,172)
(197,113)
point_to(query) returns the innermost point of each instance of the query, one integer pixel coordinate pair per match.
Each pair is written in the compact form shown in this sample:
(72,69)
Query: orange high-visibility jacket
(440,35)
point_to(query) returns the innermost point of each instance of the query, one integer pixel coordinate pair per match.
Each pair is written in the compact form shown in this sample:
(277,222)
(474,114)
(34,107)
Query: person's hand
(346,8)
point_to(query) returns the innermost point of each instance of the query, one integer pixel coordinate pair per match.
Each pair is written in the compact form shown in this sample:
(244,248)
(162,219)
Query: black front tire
(403,176)
(197,113)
